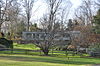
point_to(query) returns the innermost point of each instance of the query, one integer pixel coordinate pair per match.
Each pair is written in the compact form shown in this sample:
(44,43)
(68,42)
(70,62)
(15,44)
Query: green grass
(25,46)
(58,58)
(29,60)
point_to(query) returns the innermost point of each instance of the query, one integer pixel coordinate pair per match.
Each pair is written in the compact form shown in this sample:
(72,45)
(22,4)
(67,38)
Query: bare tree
(2,12)
(84,33)
(97,2)
(10,16)
(64,14)
(9,11)
(13,11)
(48,25)
(51,26)
(28,5)
(85,12)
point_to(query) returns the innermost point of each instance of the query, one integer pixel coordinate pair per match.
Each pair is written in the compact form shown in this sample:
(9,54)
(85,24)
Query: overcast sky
(41,7)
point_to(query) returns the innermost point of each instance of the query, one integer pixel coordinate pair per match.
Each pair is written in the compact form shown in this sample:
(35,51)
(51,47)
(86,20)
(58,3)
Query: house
(44,36)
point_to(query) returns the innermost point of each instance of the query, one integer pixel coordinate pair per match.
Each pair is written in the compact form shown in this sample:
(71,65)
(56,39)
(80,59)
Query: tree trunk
(0,27)
(28,27)
(45,51)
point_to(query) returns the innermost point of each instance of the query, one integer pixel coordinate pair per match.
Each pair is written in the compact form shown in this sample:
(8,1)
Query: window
(33,36)
(29,35)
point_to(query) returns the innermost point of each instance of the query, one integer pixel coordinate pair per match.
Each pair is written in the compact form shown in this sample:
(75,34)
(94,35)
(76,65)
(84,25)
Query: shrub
(94,50)
(94,47)
(6,43)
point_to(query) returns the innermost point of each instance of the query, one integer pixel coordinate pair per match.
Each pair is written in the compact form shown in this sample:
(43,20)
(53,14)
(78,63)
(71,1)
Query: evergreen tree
(70,24)
(97,22)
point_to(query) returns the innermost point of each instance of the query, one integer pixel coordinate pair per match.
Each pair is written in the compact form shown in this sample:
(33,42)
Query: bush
(6,43)
(94,47)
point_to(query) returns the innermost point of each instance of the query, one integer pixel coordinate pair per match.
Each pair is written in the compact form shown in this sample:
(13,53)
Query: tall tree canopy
(97,22)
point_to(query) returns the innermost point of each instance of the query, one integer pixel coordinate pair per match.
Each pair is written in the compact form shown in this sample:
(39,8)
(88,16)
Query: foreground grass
(29,60)
(57,58)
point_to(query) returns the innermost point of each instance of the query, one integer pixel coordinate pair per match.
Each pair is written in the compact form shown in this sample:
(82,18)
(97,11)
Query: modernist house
(45,36)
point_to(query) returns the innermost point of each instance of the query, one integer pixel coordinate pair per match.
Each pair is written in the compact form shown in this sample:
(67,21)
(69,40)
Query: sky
(75,4)
(40,7)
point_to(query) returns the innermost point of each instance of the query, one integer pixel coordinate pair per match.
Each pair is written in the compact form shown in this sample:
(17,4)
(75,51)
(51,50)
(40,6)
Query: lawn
(25,46)
(58,58)
(32,60)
